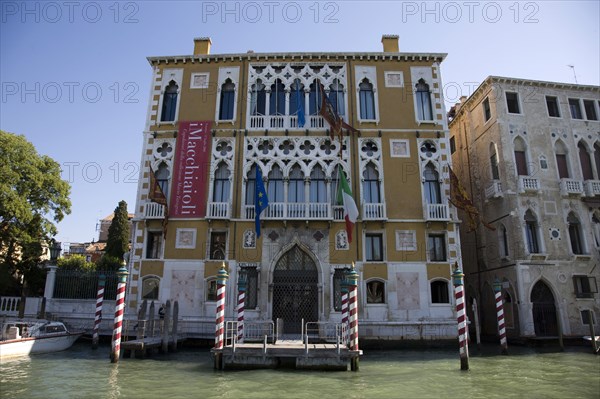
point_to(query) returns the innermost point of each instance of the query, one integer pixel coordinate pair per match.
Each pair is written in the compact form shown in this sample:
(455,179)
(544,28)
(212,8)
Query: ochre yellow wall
(375,270)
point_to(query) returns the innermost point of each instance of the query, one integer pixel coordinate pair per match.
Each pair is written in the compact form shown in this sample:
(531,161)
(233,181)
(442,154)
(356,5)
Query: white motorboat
(21,337)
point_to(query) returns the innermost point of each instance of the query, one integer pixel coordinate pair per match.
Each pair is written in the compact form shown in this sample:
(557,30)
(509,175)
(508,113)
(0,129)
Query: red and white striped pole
(119,308)
(242,281)
(458,278)
(98,317)
(500,314)
(353,315)
(222,277)
(220,316)
(344,291)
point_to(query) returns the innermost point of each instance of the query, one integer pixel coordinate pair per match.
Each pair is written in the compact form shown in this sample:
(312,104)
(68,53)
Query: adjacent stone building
(529,154)
(213,120)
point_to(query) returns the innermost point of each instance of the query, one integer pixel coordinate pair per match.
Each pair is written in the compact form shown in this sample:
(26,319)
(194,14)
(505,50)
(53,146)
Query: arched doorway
(544,311)
(295,290)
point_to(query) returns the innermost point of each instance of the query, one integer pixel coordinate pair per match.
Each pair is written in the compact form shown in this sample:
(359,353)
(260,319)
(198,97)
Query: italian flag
(344,196)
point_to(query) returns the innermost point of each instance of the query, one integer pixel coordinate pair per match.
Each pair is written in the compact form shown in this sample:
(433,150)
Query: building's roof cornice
(540,83)
(434,57)
(491,80)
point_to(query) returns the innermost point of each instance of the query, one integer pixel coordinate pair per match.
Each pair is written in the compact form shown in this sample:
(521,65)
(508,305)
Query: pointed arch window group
(294,193)
(291,103)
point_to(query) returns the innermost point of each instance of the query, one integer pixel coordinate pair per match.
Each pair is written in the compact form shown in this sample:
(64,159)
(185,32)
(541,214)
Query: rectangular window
(436,247)
(452,145)
(226,107)
(552,104)
(585,317)
(251,287)
(367,105)
(494,166)
(211,290)
(217,245)
(575,108)
(154,244)
(439,292)
(521,161)
(375,292)
(374,247)
(487,113)
(561,163)
(512,102)
(532,237)
(585,287)
(590,110)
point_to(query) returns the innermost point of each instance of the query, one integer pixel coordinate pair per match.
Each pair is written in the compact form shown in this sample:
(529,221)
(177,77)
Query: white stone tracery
(222,151)
(267,74)
(369,150)
(286,152)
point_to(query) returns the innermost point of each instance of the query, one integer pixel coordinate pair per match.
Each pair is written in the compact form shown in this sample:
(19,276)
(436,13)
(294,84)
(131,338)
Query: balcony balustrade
(374,211)
(296,211)
(528,184)
(437,212)
(285,122)
(571,187)
(218,210)
(592,188)
(152,210)
(494,190)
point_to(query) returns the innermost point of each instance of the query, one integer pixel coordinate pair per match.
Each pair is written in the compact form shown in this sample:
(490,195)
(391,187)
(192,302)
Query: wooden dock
(294,354)
(142,347)
(154,334)
(314,351)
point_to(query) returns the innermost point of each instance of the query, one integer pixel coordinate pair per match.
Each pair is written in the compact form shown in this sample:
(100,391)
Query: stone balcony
(529,185)
(374,211)
(592,188)
(218,210)
(260,122)
(437,212)
(494,190)
(571,187)
(152,210)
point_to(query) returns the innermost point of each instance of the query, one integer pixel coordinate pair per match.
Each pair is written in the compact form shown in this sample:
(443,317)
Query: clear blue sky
(75,79)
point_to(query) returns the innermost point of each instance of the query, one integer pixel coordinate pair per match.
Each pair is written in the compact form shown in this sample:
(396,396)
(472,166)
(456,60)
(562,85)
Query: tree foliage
(107,262)
(117,242)
(33,197)
(76,262)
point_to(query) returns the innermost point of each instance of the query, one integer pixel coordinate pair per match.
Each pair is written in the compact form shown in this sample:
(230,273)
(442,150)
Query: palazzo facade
(213,120)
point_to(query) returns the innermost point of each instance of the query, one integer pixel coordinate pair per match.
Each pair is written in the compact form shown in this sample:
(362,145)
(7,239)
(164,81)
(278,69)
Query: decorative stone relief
(407,287)
(554,233)
(249,239)
(341,241)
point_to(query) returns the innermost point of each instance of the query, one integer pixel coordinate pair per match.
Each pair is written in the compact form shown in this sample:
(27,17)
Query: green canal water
(527,373)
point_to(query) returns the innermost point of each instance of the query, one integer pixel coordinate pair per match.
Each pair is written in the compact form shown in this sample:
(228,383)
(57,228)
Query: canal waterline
(526,373)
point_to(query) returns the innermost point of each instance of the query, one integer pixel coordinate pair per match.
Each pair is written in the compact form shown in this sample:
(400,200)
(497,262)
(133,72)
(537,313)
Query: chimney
(202,45)
(390,43)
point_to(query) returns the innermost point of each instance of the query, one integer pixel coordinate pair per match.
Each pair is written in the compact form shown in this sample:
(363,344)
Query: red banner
(190,173)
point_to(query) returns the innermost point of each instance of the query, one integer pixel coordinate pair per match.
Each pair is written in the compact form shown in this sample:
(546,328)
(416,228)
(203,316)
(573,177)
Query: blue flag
(300,106)
(261,202)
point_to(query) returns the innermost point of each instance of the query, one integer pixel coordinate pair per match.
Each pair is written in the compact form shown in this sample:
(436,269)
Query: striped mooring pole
(222,277)
(458,279)
(344,291)
(98,317)
(119,308)
(500,314)
(352,277)
(242,282)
